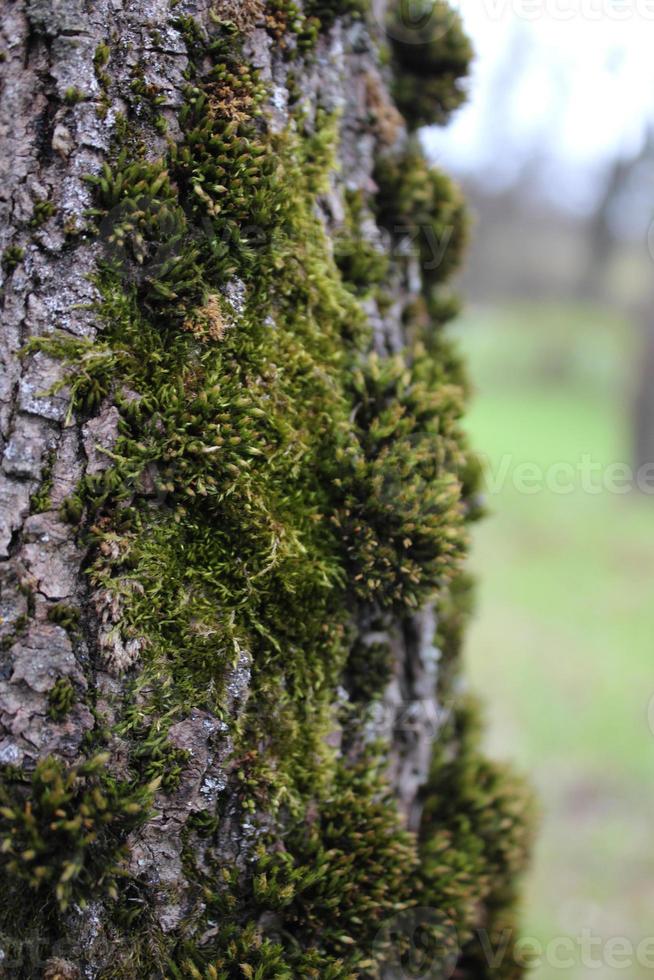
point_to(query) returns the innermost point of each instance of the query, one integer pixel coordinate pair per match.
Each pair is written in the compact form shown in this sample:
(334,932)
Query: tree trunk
(233,503)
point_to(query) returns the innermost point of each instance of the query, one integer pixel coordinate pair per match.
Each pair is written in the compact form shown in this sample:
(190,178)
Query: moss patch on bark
(273,480)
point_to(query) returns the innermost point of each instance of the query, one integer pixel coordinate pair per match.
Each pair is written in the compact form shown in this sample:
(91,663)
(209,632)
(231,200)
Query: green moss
(61,699)
(362,263)
(422,208)
(147,101)
(245,954)
(356,838)
(43,211)
(101,55)
(40,501)
(90,378)
(286,18)
(331,890)
(401,517)
(19,627)
(100,61)
(64,615)
(328,10)
(12,256)
(431,58)
(232,425)
(63,831)
(153,756)
(368,669)
(327,887)
(475,840)
(287,21)
(72,509)
(73,95)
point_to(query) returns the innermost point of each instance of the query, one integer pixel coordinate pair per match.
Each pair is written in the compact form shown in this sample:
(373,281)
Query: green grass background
(562,646)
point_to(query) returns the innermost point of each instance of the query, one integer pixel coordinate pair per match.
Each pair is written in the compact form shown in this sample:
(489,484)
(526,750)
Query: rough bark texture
(229,769)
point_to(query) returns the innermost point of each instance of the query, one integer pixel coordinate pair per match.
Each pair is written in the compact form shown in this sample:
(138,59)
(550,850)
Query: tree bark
(232,505)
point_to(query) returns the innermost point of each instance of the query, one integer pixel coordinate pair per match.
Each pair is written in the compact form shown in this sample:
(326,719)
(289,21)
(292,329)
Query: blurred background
(556,154)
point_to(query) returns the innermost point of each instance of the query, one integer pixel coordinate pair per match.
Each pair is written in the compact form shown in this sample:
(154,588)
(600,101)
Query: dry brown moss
(244,14)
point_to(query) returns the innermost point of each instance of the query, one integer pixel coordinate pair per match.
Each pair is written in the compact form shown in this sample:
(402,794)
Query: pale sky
(571,81)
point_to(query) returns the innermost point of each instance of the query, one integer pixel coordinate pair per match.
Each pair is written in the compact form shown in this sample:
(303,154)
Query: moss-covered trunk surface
(233,502)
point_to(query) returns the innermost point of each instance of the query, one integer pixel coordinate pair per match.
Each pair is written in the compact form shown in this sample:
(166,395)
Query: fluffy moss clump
(12,256)
(363,264)
(475,841)
(402,515)
(418,204)
(328,10)
(432,55)
(325,888)
(61,698)
(63,831)
(342,892)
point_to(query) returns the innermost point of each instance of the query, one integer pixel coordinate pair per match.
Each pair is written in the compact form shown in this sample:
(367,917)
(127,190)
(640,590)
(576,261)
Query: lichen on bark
(235,498)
